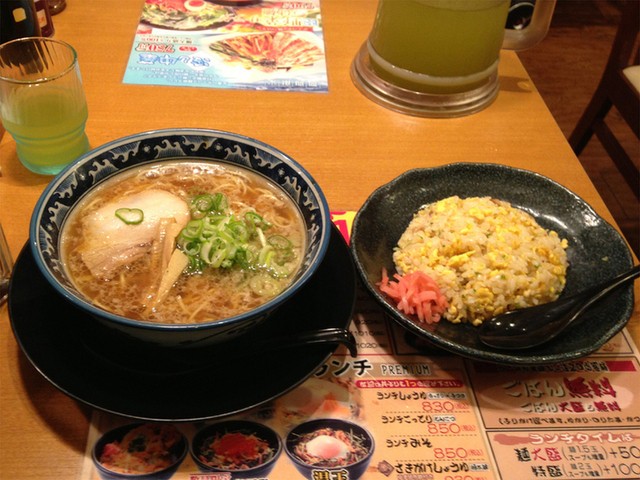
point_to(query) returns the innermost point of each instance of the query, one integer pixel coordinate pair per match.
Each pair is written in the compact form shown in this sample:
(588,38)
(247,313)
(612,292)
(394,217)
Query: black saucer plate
(133,381)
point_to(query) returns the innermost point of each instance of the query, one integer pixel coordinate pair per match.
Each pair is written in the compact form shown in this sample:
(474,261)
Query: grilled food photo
(269,51)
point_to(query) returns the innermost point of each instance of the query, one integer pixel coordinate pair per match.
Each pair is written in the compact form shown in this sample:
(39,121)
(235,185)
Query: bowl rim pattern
(151,147)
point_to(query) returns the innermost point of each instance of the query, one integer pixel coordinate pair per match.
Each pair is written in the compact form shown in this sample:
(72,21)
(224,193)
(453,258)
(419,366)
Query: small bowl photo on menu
(242,448)
(330,445)
(149,451)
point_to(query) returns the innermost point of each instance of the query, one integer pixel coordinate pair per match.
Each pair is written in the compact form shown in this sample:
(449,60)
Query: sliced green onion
(280,241)
(208,232)
(130,216)
(220,203)
(242,259)
(263,284)
(263,255)
(194,263)
(217,238)
(202,203)
(192,248)
(250,253)
(283,253)
(227,263)
(193,229)
(214,251)
(255,221)
(278,271)
(283,256)
(238,230)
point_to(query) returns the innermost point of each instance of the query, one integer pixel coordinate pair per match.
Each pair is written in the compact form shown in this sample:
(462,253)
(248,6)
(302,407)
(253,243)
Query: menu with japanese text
(403,410)
(250,45)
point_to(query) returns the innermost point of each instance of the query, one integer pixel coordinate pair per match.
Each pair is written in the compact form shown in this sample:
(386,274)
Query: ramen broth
(121,240)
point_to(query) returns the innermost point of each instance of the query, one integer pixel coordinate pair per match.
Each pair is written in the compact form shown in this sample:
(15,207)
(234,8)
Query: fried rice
(486,256)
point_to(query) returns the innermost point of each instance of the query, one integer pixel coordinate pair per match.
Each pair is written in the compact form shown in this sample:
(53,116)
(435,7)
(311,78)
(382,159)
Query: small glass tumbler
(42,103)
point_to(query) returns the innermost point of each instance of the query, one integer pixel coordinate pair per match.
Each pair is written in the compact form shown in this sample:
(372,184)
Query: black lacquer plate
(128,378)
(596,253)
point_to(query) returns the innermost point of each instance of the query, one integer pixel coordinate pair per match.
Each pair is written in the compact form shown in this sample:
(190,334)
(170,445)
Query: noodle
(196,296)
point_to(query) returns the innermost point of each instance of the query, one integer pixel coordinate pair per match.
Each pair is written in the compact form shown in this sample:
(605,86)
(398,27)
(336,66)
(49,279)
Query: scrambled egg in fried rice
(486,256)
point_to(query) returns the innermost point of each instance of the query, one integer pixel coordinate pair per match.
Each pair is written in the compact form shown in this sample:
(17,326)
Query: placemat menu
(263,45)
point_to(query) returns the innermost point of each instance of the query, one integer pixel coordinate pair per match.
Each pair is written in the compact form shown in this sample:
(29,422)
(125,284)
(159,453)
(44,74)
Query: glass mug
(439,58)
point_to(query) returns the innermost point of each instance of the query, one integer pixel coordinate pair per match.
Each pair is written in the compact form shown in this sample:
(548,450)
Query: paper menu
(442,417)
(268,45)
(436,416)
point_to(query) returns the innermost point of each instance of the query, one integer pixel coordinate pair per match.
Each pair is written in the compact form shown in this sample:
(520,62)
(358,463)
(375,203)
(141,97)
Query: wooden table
(349,144)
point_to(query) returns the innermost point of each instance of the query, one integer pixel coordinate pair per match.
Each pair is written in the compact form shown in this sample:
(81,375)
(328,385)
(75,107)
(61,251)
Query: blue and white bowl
(177,453)
(245,427)
(309,471)
(102,163)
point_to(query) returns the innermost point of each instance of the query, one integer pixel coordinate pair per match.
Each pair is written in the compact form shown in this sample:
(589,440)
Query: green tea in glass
(42,103)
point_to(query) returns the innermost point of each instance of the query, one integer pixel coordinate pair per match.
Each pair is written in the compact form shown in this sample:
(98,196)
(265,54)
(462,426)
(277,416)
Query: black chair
(619,87)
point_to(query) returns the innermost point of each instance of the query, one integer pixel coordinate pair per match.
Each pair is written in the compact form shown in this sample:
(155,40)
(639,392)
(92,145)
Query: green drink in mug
(440,57)
(42,103)
(453,45)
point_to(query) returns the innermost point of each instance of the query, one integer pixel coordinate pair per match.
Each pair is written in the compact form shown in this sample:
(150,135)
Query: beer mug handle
(535,31)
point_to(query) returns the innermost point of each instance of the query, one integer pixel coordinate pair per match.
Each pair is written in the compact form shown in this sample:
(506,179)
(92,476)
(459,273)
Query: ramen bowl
(330,445)
(239,448)
(113,458)
(100,166)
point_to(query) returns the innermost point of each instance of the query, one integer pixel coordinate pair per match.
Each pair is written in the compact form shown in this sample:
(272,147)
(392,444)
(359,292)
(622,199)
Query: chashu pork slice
(111,243)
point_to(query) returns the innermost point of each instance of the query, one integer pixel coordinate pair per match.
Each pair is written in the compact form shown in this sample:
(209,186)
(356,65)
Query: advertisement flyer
(248,45)
(402,410)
